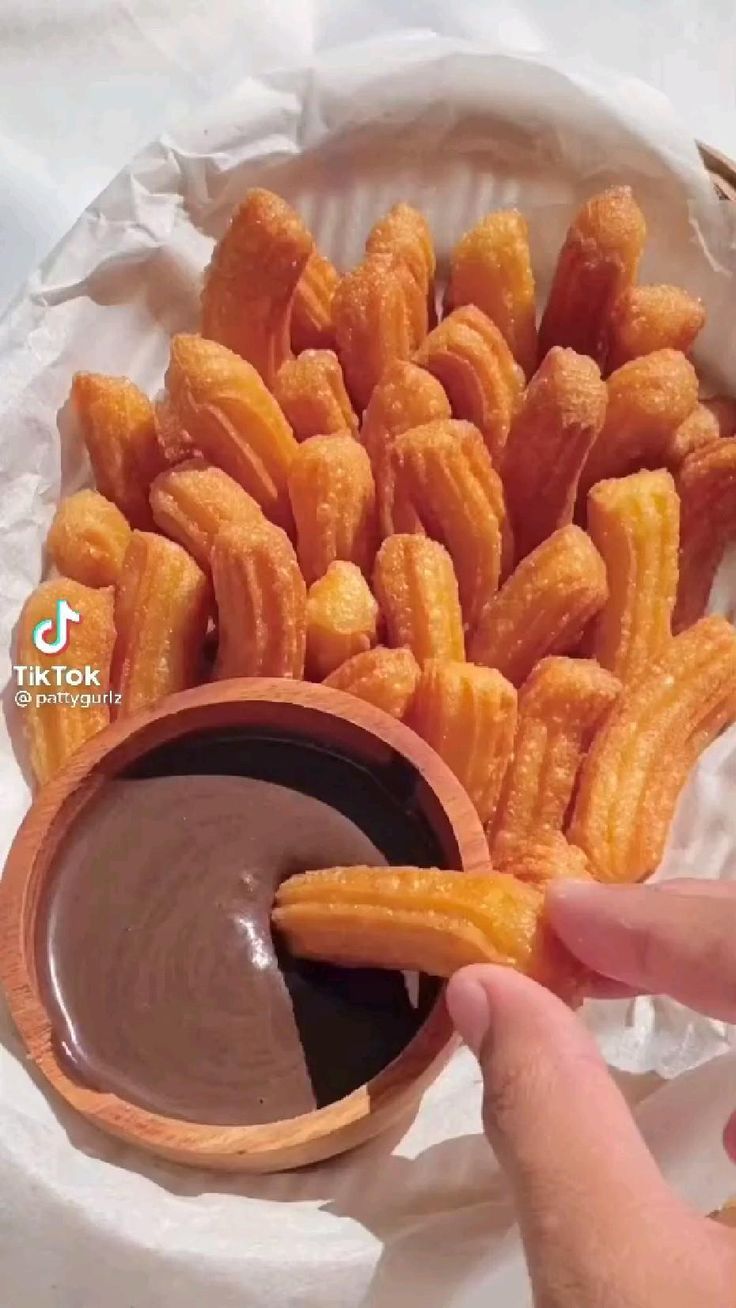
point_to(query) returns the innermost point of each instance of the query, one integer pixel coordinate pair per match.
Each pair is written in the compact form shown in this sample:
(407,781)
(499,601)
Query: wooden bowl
(308,712)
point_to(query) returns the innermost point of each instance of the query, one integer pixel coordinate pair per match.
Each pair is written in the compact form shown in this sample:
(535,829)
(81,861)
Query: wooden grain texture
(296,708)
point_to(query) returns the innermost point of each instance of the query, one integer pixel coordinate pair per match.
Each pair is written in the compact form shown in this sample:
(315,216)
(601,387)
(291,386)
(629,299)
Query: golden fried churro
(192,501)
(647,318)
(491,268)
(379,315)
(236,423)
(261,603)
(342,619)
(312,395)
(544,606)
(416,588)
(386,678)
(561,415)
(540,858)
(707,488)
(561,705)
(406,396)
(420,919)
(468,715)
(311,311)
(117,423)
(634,522)
(698,429)
(250,284)
(88,538)
(648,399)
(333,497)
(162,606)
(405,233)
(597,263)
(174,443)
(54,730)
(444,469)
(723,408)
(484,384)
(641,757)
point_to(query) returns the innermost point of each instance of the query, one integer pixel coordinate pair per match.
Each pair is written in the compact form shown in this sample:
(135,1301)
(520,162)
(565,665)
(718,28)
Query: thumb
(587,1191)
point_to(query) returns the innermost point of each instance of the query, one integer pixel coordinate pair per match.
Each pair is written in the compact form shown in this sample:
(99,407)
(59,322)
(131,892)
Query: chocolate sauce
(155,953)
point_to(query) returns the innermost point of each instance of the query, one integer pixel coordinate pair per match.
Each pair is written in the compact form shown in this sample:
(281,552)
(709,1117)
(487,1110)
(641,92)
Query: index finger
(653,941)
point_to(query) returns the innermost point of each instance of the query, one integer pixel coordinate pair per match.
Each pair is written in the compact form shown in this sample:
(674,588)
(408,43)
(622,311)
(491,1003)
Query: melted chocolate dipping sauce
(155,953)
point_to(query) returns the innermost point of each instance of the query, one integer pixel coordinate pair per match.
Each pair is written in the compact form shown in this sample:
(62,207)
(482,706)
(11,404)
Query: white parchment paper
(420,1217)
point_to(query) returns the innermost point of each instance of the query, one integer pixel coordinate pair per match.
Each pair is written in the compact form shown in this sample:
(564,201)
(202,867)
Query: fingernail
(729,1138)
(467,1003)
(577,892)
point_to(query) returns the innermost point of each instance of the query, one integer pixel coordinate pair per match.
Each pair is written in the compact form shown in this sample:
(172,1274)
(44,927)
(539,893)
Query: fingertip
(729,1137)
(581,914)
(467,1004)
(562,894)
(486,999)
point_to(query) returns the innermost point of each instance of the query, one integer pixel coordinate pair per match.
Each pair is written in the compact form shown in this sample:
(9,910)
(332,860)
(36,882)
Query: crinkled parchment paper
(419,1217)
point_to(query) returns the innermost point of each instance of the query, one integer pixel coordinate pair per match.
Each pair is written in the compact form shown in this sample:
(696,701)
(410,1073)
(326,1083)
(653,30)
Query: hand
(600,1227)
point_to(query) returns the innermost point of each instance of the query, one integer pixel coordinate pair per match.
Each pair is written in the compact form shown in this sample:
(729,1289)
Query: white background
(84,84)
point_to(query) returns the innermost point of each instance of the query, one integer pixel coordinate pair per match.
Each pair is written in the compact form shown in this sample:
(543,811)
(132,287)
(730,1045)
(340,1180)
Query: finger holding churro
(543,608)
(55,730)
(385,678)
(640,759)
(707,487)
(469,356)
(261,603)
(468,715)
(561,705)
(312,327)
(417,591)
(634,522)
(88,538)
(648,400)
(162,606)
(380,315)
(234,420)
(421,919)
(118,426)
(333,498)
(561,416)
(597,263)
(445,471)
(342,619)
(648,318)
(406,396)
(491,268)
(252,279)
(311,392)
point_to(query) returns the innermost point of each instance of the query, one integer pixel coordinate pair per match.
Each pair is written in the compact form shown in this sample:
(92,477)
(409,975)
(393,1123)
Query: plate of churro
(452,436)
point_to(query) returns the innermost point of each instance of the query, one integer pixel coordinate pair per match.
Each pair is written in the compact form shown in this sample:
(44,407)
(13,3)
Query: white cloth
(84,84)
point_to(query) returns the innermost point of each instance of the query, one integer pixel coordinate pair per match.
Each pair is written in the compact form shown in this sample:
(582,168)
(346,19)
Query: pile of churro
(502,532)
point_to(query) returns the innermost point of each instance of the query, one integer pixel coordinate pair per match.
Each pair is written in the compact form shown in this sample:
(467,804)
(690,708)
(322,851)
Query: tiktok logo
(51,635)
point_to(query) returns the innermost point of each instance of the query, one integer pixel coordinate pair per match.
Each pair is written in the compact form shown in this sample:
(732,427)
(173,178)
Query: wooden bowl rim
(59,803)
